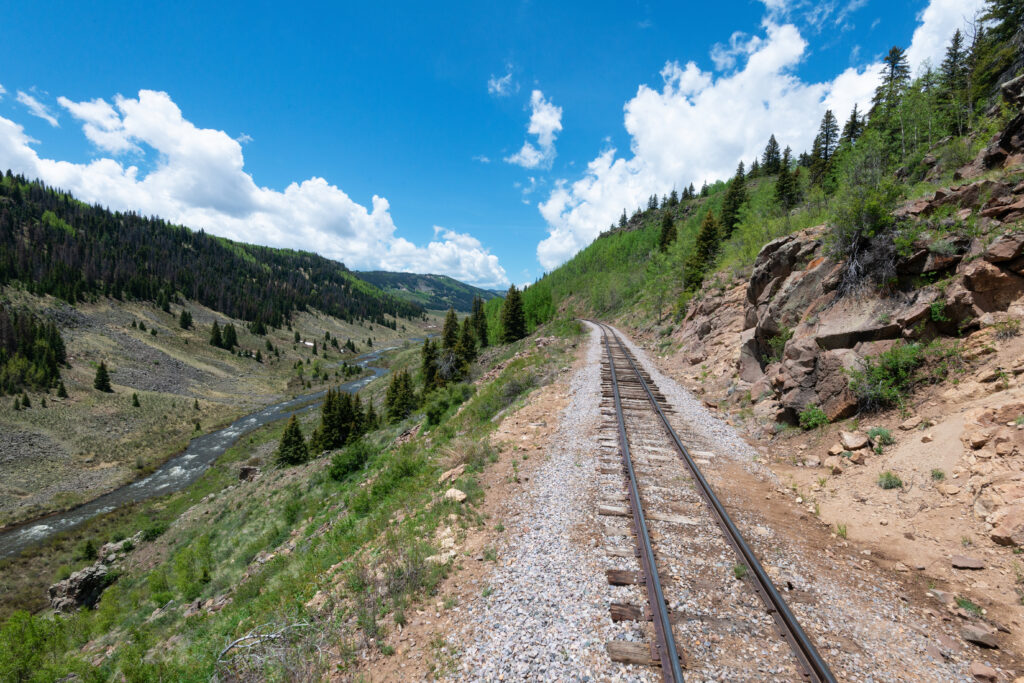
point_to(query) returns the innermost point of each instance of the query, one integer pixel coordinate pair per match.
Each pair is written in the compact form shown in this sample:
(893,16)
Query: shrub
(881,436)
(888,480)
(351,459)
(938,312)
(886,378)
(1007,329)
(938,475)
(153,531)
(813,417)
(87,549)
(777,345)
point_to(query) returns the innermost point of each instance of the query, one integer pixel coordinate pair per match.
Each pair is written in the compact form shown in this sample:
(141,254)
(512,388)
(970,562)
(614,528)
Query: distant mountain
(437,292)
(51,243)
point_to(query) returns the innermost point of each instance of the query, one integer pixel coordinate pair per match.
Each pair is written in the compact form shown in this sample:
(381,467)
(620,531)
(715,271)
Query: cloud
(2,91)
(698,125)
(503,85)
(482,158)
(198,179)
(37,108)
(244,139)
(101,124)
(545,123)
(939,21)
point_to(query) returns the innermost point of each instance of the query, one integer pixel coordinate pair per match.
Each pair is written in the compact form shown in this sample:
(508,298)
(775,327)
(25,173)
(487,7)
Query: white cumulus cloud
(545,123)
(699,124)
(198,179)
(2,91)
(37,108)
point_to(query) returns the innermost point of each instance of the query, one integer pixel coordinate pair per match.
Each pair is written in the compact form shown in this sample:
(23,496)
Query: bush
(1007,329)
(351,459)
(888,377)
(153,531)
(888,480)
(813,417)
(777,345)
(881,436)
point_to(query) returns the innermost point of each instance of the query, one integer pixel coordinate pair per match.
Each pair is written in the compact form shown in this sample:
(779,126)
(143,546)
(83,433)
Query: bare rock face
(81,589)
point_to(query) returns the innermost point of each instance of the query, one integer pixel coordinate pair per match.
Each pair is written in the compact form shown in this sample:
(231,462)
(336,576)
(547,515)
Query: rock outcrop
(81,589)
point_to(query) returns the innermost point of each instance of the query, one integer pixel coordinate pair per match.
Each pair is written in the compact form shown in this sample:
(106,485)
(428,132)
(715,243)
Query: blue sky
(497,141)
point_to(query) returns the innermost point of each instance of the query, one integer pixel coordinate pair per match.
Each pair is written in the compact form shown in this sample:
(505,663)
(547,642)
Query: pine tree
(229,337)
(185,320)
(953,83)
(297,338)
(886,104)
(513,318)
(292,449)
(735,197)
(704,251)
(102,380)
(853,128)
(673,198)
(771,159)
(480,321)
(704,190)
(693,192)
(259,356)
(450,333)
(135,400)
(622,219)
(755,169)
(787,187)
(61,391)
(668,232)
(215,336)
(25,402)
(466,348)
(428,365)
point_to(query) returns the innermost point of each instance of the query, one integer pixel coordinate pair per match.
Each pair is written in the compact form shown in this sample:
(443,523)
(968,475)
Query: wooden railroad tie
(624,577)
(644,654)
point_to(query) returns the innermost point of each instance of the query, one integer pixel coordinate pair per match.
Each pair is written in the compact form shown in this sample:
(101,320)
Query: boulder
(910,423)
(1009,526)
(966,562)
(834,464)
(982,276)
(1007,248)
(979,634)
(248,472)
(833,383)
(455,495)
(983,672)
(976,439)
(81,589)
(853,441)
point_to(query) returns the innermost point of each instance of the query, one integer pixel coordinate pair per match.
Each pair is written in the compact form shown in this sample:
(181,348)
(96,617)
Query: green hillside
(437,292)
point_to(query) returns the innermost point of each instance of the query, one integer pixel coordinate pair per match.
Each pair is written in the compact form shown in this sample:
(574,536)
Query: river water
(181,470)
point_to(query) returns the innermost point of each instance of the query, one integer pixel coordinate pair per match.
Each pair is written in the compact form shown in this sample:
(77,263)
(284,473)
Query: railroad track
(683,538)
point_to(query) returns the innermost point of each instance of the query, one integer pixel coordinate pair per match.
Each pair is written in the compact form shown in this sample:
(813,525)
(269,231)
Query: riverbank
(46,555)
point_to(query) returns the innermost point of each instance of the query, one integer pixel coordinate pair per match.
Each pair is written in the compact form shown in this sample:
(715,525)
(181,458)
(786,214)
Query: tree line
(51,243)
(31,351)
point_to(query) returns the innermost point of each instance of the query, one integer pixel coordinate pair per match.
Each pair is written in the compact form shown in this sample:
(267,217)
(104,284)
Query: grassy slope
(358,546)
(75,449)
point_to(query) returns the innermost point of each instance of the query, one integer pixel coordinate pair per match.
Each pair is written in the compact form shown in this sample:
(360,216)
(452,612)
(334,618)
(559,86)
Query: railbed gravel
(547,617)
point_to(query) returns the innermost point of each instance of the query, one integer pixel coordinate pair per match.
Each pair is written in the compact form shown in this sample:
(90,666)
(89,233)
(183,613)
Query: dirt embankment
(763,350)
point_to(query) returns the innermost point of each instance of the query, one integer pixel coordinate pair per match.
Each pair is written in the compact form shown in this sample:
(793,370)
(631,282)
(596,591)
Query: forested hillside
(920,134)
(51,243)
(436,292)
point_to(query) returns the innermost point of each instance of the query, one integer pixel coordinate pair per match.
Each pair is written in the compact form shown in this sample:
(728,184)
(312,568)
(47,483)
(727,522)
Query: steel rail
(664,640)
(806,652)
